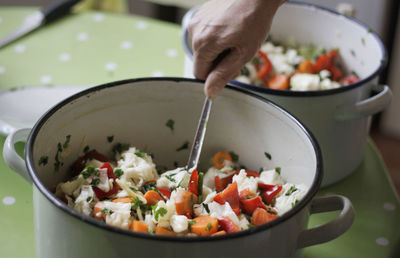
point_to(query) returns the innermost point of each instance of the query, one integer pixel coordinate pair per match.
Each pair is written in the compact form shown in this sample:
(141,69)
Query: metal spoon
(199,137)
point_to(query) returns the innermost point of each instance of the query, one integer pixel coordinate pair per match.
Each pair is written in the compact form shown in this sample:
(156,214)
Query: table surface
(92,48)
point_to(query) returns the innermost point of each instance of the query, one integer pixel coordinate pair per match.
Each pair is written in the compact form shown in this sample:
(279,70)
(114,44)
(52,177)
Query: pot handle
(332,229)
(366,107)
(11,157)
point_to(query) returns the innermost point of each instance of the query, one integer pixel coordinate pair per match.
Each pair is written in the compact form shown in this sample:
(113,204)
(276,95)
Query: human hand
(240,26)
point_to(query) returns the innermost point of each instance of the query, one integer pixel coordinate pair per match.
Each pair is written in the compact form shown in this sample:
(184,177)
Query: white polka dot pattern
(8,200)
(382,241)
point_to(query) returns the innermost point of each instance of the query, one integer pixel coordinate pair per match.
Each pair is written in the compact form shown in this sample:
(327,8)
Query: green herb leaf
(209,227)
(234,156)
(159,213)
(269,210)
(170,124)
(205,205)
(363,41)
(110,138)
(191,222)
(89,171)
(268,155)
(137,203)
(353,53)
(118,172)
(43,160)
(106,211)
(140,154)
(89,199)
(86,149)
(66,143)
(95,182)
(291,190)
(170,178)
(294,203)
(120,147)
(250,225)
(184,146)
(133,189)
(244,71)
(354,73)
(278,170)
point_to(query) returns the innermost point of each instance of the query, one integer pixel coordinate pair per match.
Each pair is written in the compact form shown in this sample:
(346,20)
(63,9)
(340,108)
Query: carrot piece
(138,226)
(163,231)
(279,82)
(226,224)
(184,201)
(123,200)
(204,225)
(222,183)
(98,214)
(261,216)
(230,195)
(306,66)
(219,233)
(152,197)
(219,159)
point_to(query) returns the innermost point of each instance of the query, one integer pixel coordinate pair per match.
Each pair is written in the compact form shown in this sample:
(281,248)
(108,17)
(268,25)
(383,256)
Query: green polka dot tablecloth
(92,48)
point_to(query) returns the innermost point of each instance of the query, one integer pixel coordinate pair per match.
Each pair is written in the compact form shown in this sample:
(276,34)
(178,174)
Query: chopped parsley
(278,170)
(268,155)
(118,172)
(120,147)
(184,146)
(95,182)
(363,41)
(151,186)
(244,71)
(86,149)
(176,164)
(369,30)
(209,226)
(242,167)
(140,154)
(106,211)
(269,210)
(250,225)
(205,205)
(260,170)
(136,203)
(170,178)
(234,156)
(291,190)
(149,231)
(170,124)
(354,73)
(67,140)
(57,162)
(133,189)
(89,199)
(160,212)
(294,203)
(43,160)
(110,138)
(89,171)
(353,53)
(191,222)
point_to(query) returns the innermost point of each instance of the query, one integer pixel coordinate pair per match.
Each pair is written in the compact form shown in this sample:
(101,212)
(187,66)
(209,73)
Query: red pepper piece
(222,183)
(230,195)
(78,165)
(110,174)
(194,182)
(267,66)
(225,223)
(166,192)
(349,79)
(249,173)
(249,205)
(269,191)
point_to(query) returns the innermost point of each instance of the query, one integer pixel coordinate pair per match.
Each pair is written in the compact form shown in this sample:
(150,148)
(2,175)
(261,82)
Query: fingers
(226,70)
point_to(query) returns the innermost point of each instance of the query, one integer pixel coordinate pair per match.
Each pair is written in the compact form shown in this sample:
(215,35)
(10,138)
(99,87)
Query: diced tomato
(194,182)
(261,216)
(266,68)
(249,173)
(249,205)
(226,224)
(166,192)
(336,73)
(79,164)
(230,195)
(269,191)
(349,79)
(222,183)
(246,194)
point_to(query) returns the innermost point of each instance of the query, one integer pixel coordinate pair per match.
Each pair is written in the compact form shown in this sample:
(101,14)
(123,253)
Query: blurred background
(381,16)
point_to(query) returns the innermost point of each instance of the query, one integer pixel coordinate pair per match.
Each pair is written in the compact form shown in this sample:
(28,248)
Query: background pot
(135,112)
(339,118)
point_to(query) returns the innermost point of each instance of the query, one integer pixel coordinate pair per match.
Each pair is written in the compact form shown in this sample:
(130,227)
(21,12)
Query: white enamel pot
(339,118)
(135,112)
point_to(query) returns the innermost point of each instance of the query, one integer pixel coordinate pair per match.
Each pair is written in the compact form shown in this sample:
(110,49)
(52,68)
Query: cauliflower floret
(163,212)
(289,196)
(243,222)
(118,214)
(71,188)
(244,182)
(218,211)
(179,223)
(271,177)
(84,200)
(104,183)
(304,82)
(174,178)
(280,64)
(148,219)
(138,168)
(327,84)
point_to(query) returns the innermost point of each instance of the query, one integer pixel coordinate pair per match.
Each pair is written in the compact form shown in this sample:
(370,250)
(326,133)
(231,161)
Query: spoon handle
(199,137)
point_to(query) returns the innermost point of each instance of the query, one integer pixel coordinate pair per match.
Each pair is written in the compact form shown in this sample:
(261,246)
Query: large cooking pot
(135,112)
(339,118)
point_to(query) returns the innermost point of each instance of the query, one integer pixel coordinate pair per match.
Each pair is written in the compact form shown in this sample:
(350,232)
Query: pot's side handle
(332,229)
(366,107)
(11,157)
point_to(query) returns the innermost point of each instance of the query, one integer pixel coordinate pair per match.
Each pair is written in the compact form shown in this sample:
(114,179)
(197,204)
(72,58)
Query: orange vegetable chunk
(204,225)
(219,159)
(152,197)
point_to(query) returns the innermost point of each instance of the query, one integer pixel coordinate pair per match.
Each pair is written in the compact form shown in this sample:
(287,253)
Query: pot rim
(313,93)
(64,207)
